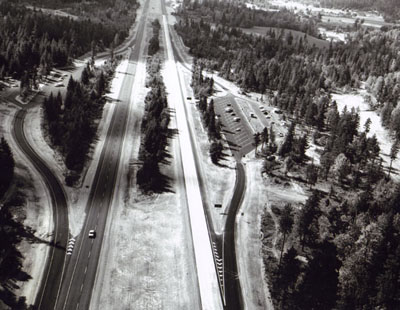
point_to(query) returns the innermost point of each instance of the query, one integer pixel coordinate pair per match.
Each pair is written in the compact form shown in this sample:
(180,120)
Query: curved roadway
(50,283)
(67,270)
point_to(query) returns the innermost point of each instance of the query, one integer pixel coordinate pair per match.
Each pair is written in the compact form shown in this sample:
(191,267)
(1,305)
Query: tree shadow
(11,234)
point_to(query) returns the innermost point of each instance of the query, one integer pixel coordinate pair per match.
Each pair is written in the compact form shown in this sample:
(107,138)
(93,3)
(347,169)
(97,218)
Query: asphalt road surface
(50,283)
(82,265)
(222,246)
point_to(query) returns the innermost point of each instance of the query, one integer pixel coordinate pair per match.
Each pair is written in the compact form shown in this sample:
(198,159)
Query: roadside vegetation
(203,87)
(12,231)
(6,166)
(337,250)
(71,122)
(33,42)
(155,132)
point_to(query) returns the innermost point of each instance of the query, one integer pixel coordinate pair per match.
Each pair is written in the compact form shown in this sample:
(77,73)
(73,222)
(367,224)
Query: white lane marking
(89,255)
(207,277)
(81,287)
(85,269)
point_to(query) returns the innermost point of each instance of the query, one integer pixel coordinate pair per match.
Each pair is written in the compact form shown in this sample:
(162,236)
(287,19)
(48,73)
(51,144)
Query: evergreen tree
(307,217)
(264,137)
(85,76)
(312,174)
(6,166)
(287,145)
(256,140)
(319,287)
(393,154)
(285,224)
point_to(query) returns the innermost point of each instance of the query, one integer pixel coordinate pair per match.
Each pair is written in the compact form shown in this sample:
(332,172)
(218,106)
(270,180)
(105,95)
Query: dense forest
(298,73)
(238,15)
(71,123)
(6,166)
(339,249)
(389,8)
(32,42)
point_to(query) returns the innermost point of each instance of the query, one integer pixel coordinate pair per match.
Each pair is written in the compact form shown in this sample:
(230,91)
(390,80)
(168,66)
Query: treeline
(233,14)
(301,74)
(342,253)
(71,122)
(6,166)
(12,232)
(155,135)
(336,239)
(154,44)
(204,87)
(32,42)
(155,132)
(389,8)
(60,3)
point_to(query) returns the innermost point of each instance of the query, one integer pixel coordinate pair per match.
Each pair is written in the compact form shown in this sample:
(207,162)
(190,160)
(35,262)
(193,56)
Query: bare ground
(147,258)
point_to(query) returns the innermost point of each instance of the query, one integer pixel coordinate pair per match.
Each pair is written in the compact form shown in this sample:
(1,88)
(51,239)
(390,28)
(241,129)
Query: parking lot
(235,126)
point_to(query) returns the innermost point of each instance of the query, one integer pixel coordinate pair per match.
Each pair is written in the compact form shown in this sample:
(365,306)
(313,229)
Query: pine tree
(85,76)
(285,224)
(101,84)
(319,287)
(312,174)
(307,216)
(264,137)
(256,140)
(287,145)
(393,154)
(6,166)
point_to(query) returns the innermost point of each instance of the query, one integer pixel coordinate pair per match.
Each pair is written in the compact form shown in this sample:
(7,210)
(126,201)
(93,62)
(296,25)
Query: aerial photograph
(200,155)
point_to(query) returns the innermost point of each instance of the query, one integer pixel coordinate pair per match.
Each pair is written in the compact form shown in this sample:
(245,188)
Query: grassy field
(296,35)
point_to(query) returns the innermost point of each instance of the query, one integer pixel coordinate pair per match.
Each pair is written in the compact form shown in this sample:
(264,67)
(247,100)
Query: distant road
(50,283)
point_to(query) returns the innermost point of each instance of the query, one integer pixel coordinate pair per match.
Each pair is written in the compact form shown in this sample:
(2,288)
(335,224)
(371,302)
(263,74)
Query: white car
(92,234)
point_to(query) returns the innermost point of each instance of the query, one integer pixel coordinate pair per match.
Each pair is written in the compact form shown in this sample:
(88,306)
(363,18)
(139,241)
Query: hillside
(389,8)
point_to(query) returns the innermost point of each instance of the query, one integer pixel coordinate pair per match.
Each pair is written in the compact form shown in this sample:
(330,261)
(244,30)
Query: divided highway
(207,279)
(222,245)
(50,283)
(82,265)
